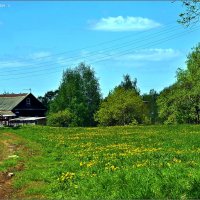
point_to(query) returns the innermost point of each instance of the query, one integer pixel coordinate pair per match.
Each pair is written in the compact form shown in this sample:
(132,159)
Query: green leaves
(180,102)
(79,92)
(122,107)
(191,13)
(61,119)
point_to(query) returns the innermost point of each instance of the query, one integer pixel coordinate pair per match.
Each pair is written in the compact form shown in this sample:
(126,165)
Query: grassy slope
(110,163)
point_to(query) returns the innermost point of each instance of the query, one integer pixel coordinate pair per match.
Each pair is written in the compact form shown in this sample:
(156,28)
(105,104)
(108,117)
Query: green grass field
(138,162)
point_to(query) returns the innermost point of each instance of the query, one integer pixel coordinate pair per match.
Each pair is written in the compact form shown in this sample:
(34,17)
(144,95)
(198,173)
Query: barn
(23,106)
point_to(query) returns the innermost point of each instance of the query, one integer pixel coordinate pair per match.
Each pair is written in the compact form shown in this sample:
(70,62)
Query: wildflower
(67,176)
(176,160)
(90,164)
(94,174)
(139,165)
(110,167)
(113,168)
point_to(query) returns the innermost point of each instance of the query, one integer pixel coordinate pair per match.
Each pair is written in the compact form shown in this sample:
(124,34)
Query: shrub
(122,107)
(60,119)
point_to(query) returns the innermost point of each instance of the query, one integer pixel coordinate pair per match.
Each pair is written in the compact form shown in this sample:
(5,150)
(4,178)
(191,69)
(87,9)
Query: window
(28,101)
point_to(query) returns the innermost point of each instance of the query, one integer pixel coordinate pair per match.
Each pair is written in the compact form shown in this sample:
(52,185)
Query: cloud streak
(137,56)
(26,61)
(12,63)
(120,23)
(140,57)
(150,55)
(40,55)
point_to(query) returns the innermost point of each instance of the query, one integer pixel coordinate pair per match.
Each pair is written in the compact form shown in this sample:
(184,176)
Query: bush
(121,107)
(134,122)
(60,119)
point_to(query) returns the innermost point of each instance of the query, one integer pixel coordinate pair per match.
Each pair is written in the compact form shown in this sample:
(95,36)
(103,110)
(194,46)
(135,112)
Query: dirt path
(6,190)
(8,150)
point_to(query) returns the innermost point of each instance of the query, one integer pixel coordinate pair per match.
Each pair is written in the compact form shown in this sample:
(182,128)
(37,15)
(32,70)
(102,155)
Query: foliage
(167,107)
(48,98)
(192,12)
(79,92)
(61,119)
(128,84)
(121,107)
(140,162)
(180,103)
(152,108)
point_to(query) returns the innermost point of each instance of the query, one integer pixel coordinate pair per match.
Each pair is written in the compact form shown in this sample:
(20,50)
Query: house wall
(5,120)
(30,107)
(21,122)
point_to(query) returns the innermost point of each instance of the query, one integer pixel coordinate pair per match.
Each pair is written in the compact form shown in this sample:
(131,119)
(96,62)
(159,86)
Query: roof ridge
(13,95)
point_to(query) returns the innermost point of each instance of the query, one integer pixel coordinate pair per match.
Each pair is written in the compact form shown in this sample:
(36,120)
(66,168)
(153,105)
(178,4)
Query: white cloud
(150,55)
(40,55)
(124,24)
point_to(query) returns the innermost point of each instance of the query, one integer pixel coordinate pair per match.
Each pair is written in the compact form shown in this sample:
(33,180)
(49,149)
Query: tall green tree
(180,103)
(167,104)
(150,101)
(48,98)
(129,84)
(122,106)
(189,79)
(79,92)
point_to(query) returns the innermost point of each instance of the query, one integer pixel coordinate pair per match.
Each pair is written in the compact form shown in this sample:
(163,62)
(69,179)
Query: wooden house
(19,105)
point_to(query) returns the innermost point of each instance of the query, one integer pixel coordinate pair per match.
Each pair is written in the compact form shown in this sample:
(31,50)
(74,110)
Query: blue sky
(38,40)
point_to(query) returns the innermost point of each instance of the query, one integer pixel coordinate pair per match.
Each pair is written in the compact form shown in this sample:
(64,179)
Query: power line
(124,45)
(157,42)
(93,53)
(94,45)
(110,56)
(106,58)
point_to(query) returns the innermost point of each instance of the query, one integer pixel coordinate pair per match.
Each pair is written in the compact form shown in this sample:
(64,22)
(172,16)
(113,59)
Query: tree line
(180,102)
(78,100)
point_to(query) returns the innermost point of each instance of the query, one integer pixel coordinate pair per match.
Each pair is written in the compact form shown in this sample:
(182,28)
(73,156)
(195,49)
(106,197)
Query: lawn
(138,162)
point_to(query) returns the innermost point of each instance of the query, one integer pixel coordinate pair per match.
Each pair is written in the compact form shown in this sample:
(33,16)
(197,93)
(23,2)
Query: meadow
(138,162)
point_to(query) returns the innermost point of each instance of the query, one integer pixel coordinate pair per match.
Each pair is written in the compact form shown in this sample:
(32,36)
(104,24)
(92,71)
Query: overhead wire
(129,43)
(108,57)
(97,44)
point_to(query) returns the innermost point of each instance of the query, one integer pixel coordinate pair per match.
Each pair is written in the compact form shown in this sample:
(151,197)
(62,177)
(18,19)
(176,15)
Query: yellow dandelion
(176,160)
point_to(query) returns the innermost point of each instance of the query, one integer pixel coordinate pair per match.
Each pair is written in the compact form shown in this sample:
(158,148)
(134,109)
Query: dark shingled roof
(10,101)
